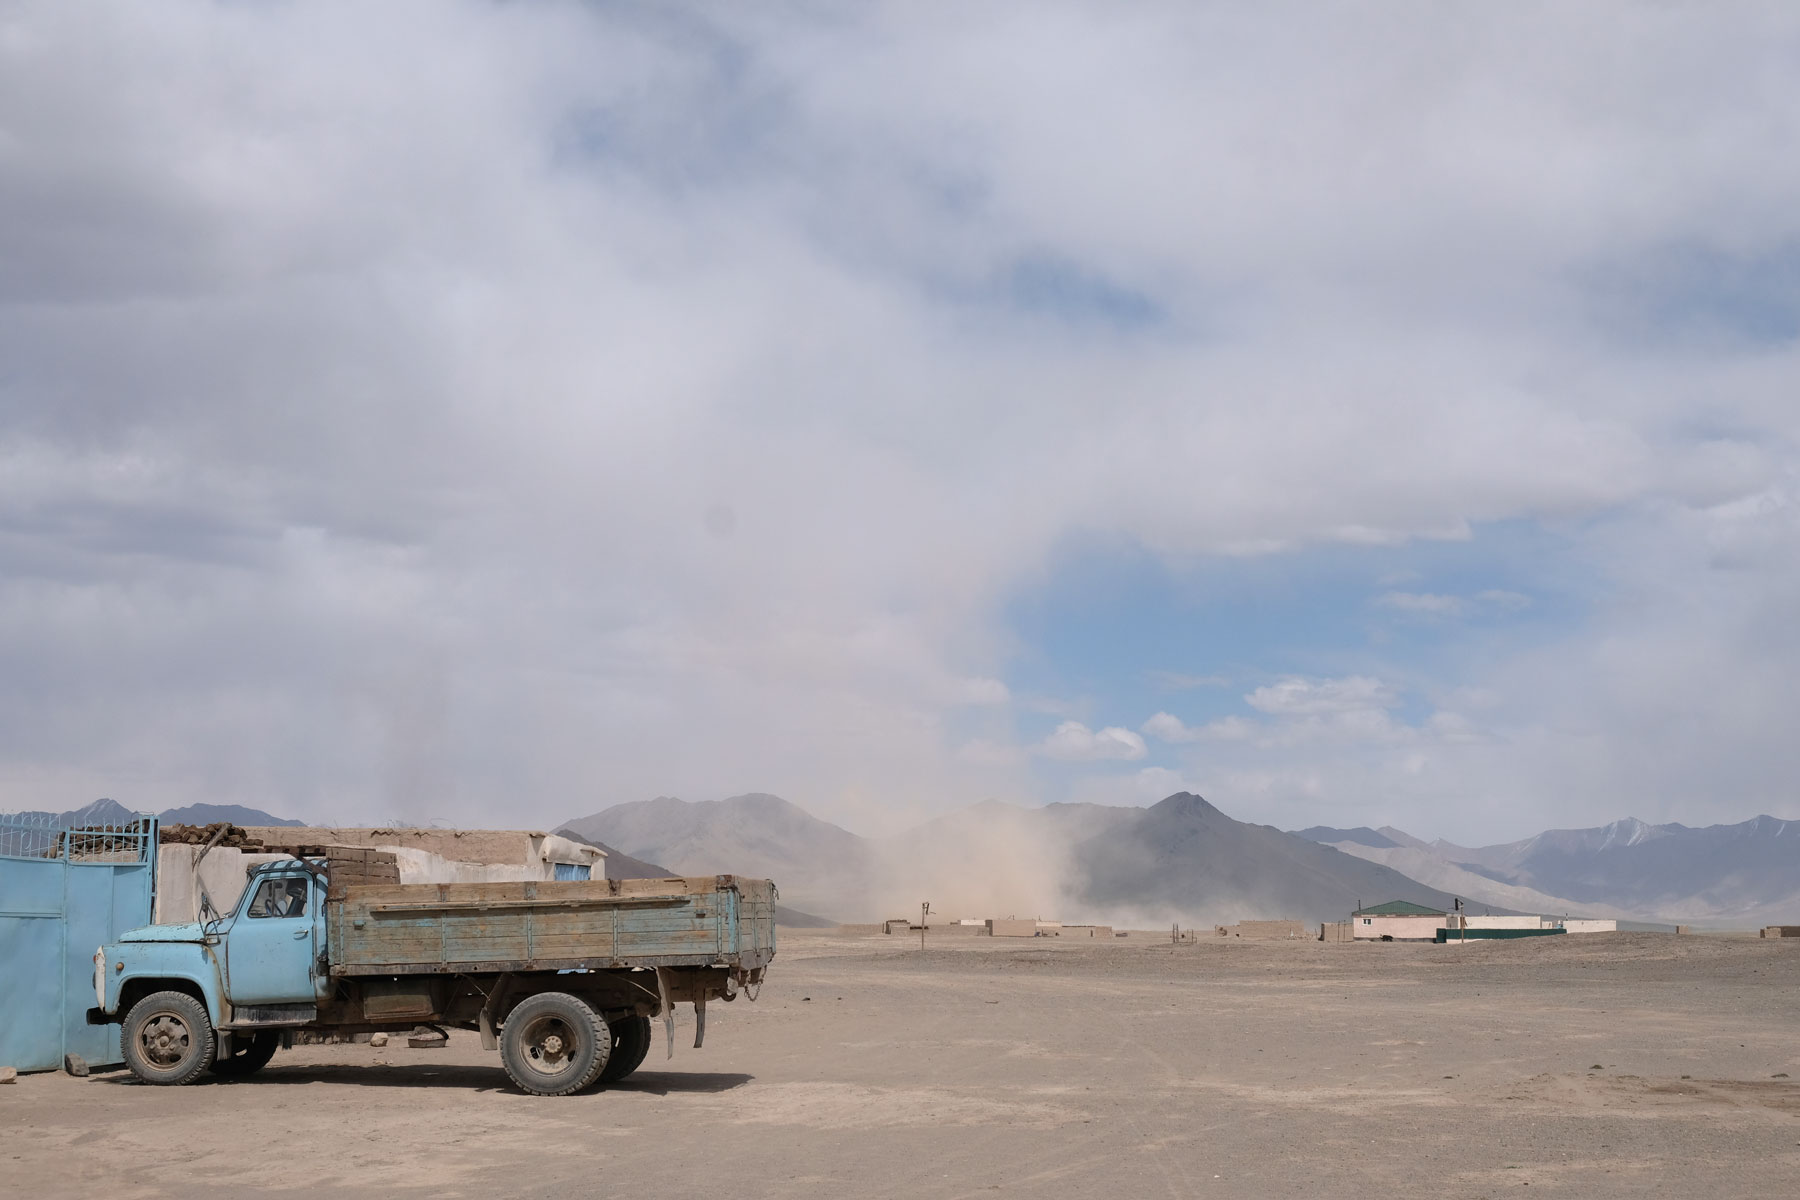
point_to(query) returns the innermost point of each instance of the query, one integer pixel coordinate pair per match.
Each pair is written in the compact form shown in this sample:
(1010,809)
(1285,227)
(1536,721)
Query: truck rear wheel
(250,1053)
(631,1038)
(167,1038)
(553,1044)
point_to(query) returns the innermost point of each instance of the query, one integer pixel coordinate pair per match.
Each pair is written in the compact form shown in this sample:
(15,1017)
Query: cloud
(1312,697)
(1503,600)
(1074,742)
(1175,681)
(1169,728)
(1433,604)
(632,401)
(983,691)
(1422,603)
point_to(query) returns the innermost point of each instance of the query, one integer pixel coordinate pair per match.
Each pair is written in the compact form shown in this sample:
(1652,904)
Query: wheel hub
(550,1046)
(165,1040)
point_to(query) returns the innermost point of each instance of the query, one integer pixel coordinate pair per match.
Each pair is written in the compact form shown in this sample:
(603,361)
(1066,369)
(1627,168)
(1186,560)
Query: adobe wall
(1265,929)
(224,869)
(495,847)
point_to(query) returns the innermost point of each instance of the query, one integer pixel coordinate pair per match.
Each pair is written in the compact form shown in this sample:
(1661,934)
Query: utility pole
(924,911)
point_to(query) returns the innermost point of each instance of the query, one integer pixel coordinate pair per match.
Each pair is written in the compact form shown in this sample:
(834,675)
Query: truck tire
(167,1039)
(631,1038)
(553,1044)
(249,1054)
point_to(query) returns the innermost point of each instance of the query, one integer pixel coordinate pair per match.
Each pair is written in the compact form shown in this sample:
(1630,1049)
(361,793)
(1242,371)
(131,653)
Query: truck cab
(243,976)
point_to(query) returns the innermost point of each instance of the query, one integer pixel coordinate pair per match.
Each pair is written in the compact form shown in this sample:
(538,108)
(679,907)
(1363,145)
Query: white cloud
(1435,604)
(1176,681)
(1310,697)
(982,691)
(1074,742)
(1169,728)
(621,403)
(1505,601)
(1422,603)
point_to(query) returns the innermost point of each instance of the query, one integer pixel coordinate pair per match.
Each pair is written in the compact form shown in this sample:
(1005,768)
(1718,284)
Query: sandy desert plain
(1599,1065)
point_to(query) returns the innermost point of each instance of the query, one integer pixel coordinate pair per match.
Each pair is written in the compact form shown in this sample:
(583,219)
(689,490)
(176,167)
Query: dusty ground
(1601,1065)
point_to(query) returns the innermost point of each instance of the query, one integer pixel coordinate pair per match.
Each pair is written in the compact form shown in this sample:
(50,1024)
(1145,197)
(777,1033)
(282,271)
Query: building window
(572,871)
(1368,921)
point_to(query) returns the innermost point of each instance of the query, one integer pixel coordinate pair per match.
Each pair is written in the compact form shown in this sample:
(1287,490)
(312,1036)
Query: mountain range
(620,865)
(1744,874)
(1181,859)
(816,864)
(111,812)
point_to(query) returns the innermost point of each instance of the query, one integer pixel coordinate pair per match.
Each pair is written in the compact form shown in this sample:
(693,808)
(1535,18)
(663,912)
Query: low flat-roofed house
(1397,920)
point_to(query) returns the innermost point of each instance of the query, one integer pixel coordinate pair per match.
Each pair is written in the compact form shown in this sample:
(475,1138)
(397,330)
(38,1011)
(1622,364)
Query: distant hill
(100,812)
(32,832)
(237,814)
(1362,835)
(1181,859)
(1184,856)
(1744,874)
(816,864)
(1474,884)
(111,812)
(620,865)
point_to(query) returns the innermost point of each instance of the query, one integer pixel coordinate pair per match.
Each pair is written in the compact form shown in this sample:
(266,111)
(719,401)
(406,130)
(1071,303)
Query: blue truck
(562,978)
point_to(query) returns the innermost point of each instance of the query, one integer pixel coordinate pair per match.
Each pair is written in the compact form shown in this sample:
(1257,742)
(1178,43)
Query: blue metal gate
(64,892)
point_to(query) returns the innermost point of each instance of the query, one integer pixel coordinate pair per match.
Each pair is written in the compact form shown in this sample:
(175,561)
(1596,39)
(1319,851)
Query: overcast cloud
(488,413)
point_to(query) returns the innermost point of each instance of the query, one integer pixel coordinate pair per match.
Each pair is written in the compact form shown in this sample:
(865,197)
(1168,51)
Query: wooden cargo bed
(458,928)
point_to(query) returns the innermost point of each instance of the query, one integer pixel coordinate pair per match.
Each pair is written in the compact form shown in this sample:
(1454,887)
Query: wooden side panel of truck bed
(405,929)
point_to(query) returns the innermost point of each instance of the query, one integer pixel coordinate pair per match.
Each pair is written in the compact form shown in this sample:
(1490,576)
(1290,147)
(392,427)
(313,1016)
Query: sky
(481,413)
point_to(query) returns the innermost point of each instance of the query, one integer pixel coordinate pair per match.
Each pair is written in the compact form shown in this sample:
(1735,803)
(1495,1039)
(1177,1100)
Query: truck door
(270,947)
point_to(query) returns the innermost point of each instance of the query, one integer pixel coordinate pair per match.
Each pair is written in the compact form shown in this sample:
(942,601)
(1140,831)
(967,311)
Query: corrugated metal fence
(63,892)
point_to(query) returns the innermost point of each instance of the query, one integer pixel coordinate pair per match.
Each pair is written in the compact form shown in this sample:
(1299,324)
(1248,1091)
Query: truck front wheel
(553,1044)
(167,1038)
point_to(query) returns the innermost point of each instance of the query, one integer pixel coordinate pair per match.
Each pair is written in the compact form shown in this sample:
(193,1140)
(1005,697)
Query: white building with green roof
(1398,921)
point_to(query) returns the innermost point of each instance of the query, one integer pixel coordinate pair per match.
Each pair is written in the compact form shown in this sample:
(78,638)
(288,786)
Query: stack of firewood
(200,835)
(357,865)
